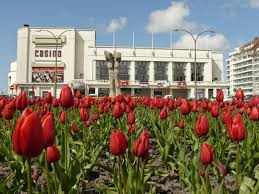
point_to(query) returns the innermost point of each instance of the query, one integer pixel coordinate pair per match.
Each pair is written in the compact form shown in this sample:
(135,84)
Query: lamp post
(195,45)
(56,56)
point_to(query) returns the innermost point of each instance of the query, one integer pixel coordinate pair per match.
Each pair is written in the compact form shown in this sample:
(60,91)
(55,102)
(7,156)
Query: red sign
(123,82)
(11,87)
(182,84)
(16,86)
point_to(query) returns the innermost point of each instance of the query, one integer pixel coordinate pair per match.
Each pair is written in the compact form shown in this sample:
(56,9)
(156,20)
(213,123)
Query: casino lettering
(47,53)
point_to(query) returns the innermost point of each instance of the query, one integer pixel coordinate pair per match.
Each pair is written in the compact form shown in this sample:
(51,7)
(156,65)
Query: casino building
(81,64)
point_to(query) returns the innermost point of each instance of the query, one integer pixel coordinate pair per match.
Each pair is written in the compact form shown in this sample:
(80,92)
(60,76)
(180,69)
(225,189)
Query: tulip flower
(95,117)
(141,145)
(78,94)
(181,124)
(214,110)
(54,102)
(84,115)
(87,123)
(207,155)
(201,126)
(74,128)
(131,129)
(254,115)
(101,108)
(53,154)
(48,98)
(8,111)
(118,143)
(131,118)
(117,111)
(48,126)
(237,130)
(62,117)
(2,104)
(239,94)
(220,96)
(21,101)
(163,113)
(27,138)
(66,97)
(185,108)
(221,168)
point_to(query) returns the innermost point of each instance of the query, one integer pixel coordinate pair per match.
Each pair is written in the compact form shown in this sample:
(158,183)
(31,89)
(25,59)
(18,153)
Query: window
(161,70)
(81,75)
(142,70)
(101,70)
(199,71)
(91,90)
(200,93)
(179,71)
(124,70)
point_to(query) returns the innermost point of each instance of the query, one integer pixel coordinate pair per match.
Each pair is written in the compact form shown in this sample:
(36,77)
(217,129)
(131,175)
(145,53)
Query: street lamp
(56,56)
(195,42)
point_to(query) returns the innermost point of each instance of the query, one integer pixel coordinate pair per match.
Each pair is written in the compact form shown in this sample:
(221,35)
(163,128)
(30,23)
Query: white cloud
(116,24)
(254,3)
(173,17)
(214,42)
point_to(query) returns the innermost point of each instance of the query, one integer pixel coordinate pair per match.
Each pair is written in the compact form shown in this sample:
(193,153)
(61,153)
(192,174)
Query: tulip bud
(48,126)
(214,110)
(207,155)
(239,94)
(131,118)
(163,113)
(131,129)
(66,97)
(181,124)
(62,117)
(222,168)
(74,128)
(141,145)
(237,131)
(21,101)
(254,115)
(220,96)
(53,154)
(118,143)
(87,123)
(202,126)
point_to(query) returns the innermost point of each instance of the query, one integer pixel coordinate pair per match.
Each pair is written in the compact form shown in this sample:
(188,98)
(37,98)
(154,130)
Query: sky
(234,21)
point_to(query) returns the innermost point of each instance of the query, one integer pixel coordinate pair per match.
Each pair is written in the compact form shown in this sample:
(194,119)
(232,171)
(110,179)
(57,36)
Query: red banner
(182,84)
(123,82)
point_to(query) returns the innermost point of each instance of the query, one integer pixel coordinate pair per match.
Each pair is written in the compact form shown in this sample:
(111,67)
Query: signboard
(162,83)
(143,83)
(182,84)
(11,87)
(47,53)
(47,74)
(123,82)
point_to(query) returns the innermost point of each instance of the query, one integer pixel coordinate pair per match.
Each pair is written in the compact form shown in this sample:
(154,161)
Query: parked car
(168,96)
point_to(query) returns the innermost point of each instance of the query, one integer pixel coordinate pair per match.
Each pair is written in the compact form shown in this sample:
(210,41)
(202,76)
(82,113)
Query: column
(191,93)
(132,92)
(170,71)
(214,92)
(132,71)
(151,92)
(151,71)
(188,72)
(206,93)
(96,91)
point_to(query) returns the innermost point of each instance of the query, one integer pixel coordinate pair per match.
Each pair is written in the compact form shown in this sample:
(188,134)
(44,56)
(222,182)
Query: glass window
(161,70)
(199,71)
(179,69)
(124,70)
(101,70)
(142,70)
(200,93)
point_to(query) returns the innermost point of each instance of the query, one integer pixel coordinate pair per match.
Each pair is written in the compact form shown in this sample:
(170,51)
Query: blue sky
(235,21)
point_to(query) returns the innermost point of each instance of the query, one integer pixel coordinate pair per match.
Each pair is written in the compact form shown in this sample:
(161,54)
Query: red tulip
(181,124)
(207,155)
(53,154)
(54,102)
(220,96)
(2,104)
(21,101)
(185,108)
(222,168)
(101,108)
(141,145)
(8,111)
(131,129)
(227,118)
(74,128)
(48,126)
(27,139)
(205,105)
(78,94)
(214,110)
(254,115)
(87,123)
(95,117)
(62,117)
(118,143)
(84,115)
(163,113)
(66,97)
(48,98)
(239,94)
(131,118)
(201,126)
(117,111)
(237,131)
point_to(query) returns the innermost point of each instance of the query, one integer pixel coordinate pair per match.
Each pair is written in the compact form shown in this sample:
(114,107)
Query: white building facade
(82,65)
(243,68)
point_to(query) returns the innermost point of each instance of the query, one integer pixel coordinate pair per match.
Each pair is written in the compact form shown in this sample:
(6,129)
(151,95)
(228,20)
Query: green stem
(55,177)
(207,180)
(29,176)
(237,165)
(47,172)
(65,134)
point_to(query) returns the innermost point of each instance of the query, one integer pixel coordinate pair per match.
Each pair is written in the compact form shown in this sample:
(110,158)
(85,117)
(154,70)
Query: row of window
(142,71)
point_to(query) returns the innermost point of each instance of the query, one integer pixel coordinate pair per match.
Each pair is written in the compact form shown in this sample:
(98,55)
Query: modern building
(82,65)
(243,68)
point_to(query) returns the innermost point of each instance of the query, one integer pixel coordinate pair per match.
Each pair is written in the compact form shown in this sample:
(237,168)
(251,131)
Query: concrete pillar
(191,93)
(214,92)
(96,91)
(188,72)
(151,71)
(132,71)
(151,92)
(206,93)
(170,71)
(132,92)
